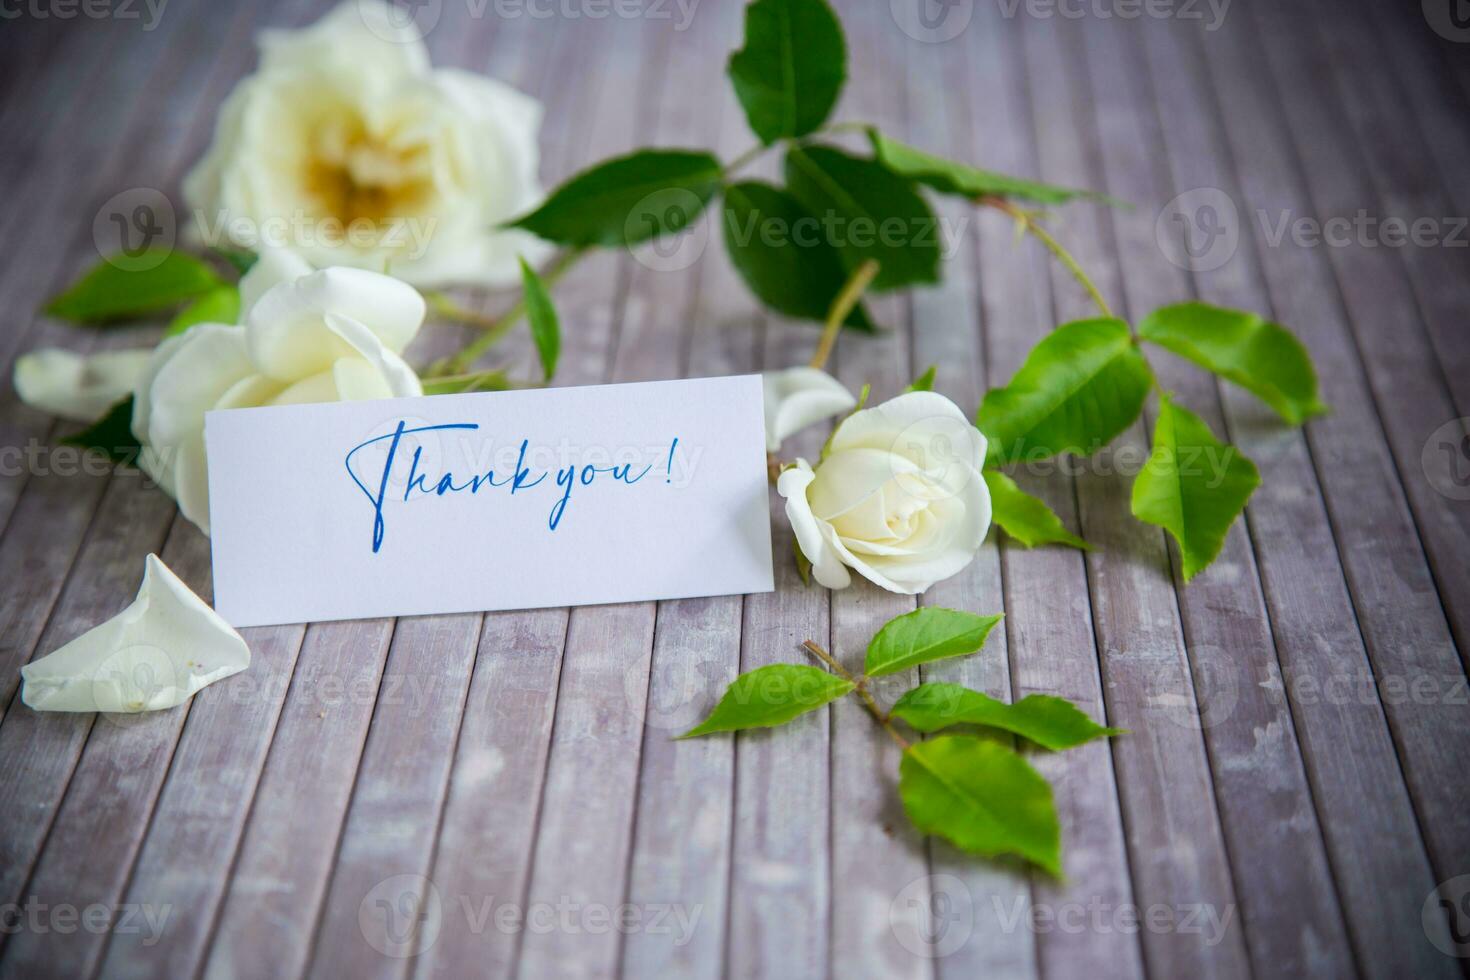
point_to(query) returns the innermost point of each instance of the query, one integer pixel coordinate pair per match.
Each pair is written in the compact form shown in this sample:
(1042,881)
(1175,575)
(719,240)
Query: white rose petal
(799,397)
(155,654)
(272,266)
(331,335)
(348,148)
(899,497)
(75,386)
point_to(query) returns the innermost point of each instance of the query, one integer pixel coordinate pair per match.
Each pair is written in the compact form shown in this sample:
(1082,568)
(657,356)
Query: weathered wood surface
(1294,786)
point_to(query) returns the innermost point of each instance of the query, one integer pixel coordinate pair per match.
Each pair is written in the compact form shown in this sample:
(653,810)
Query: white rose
(898,497)
(332,335)
(347,147)
(798,397)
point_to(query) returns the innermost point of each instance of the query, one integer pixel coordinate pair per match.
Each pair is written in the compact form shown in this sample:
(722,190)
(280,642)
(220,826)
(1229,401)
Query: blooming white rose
(898,497)
(798,397)
(154,654)
(347,147)
(331,335)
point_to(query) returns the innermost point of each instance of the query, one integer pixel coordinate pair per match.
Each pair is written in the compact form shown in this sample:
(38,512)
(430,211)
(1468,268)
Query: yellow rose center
(354,174)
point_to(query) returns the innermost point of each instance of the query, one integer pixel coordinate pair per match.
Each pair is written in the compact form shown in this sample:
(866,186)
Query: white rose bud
(898,497)
(347,147)
(332,335)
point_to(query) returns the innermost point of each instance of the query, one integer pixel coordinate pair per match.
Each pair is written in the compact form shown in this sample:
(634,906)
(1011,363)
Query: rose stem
(494,327)
(860,684)
(841,307)
(1063,256)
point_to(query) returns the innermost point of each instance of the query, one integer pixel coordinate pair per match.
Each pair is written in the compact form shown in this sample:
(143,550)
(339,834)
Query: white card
(493,500)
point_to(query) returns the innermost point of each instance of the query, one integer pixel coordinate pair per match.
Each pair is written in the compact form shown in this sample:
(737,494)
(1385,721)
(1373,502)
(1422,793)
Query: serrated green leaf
(1194,486)
(791,271)
(1053,723)
(1028,520)
(221,305)
(928,633)
(627,200)
(541,314)
(925,381)
(111,435)
(791,70)
(1256,354)
(982,797)
(952,177)
(770,696)
(867,212)
(1078,389)
(107,292)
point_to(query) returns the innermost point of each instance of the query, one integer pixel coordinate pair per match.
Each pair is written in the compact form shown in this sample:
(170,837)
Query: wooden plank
(1176,847)
(1431,469)
(1405,181)
(1282,880)
(876,852)
(131,521)
(1420,676)
(368,924)
(1349,755)
(1051,641)
(685,796)
(586,823)
(496,783)
(946,332)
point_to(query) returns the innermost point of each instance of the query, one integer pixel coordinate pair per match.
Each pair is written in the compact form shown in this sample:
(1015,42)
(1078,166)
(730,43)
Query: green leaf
(1194,486)
(459,384)
(1053,723)
(803,563)
(150,283)
(627,200)
(1260,356)
(791,70)
(1030,521)
(1081,386)
(925,381)
(951,177)
(241,260)
(770,696)
(982,797)
(928,633)
(111,435)
(220,305)
(790,268)
(545,327)
(867,212)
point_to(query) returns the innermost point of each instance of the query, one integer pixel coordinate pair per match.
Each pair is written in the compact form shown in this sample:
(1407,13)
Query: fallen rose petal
(76,386)
(798,397)
(155,654)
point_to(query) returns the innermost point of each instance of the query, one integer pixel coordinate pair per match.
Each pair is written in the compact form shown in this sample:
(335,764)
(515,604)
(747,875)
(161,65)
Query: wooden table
(1295,784)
